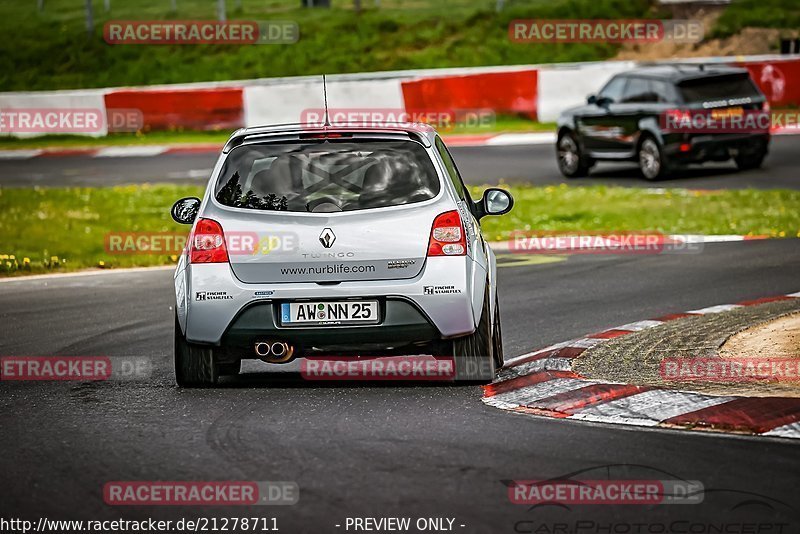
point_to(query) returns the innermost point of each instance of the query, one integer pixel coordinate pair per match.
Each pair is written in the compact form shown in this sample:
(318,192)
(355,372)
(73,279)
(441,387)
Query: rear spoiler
(287,133)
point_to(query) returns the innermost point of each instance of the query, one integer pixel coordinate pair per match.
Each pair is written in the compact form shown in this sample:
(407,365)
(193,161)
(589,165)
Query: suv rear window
(327,177)
(714,88)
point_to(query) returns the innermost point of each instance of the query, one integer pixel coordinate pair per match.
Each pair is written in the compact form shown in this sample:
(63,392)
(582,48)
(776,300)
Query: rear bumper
(697,148)
(403,323)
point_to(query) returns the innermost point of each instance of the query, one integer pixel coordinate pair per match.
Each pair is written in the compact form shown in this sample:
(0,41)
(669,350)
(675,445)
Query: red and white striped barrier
(535,91)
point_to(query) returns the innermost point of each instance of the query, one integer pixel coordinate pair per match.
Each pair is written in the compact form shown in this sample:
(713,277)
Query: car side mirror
(591,99)
(603,101)
(185,210)
(496,202)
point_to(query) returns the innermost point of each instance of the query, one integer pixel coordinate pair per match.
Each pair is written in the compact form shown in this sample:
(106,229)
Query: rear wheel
(571,162)
(230,368)
(474,354)
(497,335)
(194,364)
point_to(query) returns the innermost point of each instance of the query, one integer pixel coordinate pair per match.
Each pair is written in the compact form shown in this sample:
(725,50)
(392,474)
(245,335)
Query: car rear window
(715,88)
(327,176)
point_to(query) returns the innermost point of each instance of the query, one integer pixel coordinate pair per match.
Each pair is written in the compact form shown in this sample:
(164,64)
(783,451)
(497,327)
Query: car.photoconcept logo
(327,238)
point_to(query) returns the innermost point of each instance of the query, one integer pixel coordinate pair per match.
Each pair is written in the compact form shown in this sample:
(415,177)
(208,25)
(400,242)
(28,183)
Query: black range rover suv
(625,121)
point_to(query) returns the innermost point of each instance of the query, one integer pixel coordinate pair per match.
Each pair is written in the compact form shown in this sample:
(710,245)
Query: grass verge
(52,50)
(66,228)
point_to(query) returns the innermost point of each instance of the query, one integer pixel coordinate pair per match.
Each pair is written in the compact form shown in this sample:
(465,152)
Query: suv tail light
(447,236)
(208,243)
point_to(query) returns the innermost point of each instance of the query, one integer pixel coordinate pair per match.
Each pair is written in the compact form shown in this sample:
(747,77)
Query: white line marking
(792,430)
(716,309)
(795,295)
(537,352)
(536,366)
(638,325)
(19,154)
(648,408)
(586,342)
(130,151)
(507,139)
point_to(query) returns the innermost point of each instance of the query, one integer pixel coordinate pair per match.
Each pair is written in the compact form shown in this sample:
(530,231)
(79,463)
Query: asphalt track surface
(531,164)
(380,450)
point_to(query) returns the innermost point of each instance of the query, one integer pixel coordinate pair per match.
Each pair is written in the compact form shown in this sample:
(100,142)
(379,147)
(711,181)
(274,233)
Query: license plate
(726,113)
(329,313)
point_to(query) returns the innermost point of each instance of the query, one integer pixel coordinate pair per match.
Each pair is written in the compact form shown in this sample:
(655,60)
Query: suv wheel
(474,354)
(194,364)
(652,161)
(571,162)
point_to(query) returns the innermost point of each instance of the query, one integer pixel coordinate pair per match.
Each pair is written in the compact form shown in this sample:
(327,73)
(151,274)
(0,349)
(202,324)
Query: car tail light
(447,236)
(208,243)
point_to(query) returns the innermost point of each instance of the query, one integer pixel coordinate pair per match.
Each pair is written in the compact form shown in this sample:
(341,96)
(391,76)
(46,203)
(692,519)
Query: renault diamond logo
(327,237)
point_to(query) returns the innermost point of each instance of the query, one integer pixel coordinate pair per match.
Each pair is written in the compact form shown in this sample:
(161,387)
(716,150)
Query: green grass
(501,124)
(757,14)
(51,50)
(71,223)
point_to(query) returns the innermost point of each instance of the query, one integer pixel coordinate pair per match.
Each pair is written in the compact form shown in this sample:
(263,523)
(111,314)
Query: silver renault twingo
(345,240)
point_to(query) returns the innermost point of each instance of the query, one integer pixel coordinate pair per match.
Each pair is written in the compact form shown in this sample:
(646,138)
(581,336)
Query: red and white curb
(543,383)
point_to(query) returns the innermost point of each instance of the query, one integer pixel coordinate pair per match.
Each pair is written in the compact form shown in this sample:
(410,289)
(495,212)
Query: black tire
(194,364)
(497,336)
(571,161)
(474,354)
(753,160)
(653,164)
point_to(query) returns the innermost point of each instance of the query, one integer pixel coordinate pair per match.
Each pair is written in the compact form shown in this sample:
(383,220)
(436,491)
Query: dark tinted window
(662,91)
(613,89)
(714,88)
(639,90)
(327,177)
